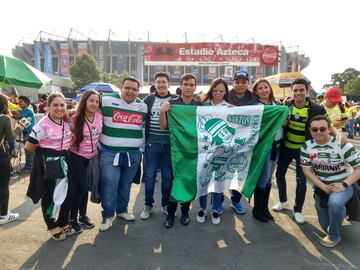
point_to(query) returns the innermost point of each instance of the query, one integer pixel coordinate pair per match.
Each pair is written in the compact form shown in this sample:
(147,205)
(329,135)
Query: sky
(325,31)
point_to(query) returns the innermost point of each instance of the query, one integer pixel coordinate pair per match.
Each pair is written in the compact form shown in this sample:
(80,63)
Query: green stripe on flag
(184,147)
(272,120)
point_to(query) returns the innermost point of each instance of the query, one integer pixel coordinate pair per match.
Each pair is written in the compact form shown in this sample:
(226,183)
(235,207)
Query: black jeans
(47,199)
(286,157)
(173,205)
(4,182)
(80,199)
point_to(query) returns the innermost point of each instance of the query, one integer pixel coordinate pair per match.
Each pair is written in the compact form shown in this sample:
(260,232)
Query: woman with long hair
(50,140)
(265,96)
(6,136)
(87,127)
(215,97)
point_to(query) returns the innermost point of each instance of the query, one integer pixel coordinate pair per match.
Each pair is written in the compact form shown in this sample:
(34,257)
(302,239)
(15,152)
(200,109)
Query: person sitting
(324,162)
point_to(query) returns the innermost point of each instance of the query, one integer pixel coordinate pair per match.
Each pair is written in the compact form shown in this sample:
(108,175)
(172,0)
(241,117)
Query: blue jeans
(115,182)
(350,127)
(29,156)
(333,216)
(268,170)
(286,157)
(216,202)
(157,156)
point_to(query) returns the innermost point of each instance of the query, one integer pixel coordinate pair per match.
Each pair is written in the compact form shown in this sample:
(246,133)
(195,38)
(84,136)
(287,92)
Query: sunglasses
(316,130)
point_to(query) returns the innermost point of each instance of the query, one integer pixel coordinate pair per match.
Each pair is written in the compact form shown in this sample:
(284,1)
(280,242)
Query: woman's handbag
(54,166)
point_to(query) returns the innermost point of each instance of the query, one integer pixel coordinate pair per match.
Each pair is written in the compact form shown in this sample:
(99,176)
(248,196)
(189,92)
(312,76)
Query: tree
(85,70)
(341,79)
(114,78)
(353,87)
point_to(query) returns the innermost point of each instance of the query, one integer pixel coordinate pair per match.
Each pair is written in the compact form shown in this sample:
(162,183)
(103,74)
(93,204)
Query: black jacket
(313,110)
(37,185)
(149,101)
(248,99)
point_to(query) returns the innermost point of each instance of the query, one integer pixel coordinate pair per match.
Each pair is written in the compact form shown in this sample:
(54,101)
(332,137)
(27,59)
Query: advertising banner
(65,59)
(48,67)
(212,72)
(37,62)
(210,54)
(228,72)
(101,57)
(82,47)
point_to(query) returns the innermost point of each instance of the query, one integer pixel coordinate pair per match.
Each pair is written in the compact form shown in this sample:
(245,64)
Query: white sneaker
(279,206)
(201,216)
(106,224)
(146,213)
(215,218)
(126,216)
(8,218)
(299,218)
(164,209)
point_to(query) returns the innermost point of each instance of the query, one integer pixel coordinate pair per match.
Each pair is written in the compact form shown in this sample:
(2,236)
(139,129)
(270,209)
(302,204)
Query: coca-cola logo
(269,55)
(127,118)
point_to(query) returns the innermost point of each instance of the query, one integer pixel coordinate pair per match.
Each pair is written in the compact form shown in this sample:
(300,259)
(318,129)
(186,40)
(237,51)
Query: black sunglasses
(315,130)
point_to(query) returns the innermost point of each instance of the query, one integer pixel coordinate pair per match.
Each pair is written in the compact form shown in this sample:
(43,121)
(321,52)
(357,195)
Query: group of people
(104,140)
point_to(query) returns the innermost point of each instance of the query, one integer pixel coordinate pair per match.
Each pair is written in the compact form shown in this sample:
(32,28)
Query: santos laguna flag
(216,148)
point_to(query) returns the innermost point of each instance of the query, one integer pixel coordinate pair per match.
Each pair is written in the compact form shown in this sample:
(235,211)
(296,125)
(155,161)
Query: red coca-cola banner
(64,59)
(126,118)
(210,54)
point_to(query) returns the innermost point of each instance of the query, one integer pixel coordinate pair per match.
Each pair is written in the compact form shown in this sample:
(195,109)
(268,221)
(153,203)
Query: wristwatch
(345,185)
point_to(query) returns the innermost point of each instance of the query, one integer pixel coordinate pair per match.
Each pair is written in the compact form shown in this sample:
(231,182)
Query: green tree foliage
(352,87)
(85,70)
(341,79)
(114,78)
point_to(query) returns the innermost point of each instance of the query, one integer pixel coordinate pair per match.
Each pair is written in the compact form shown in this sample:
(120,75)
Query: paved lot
(238,242)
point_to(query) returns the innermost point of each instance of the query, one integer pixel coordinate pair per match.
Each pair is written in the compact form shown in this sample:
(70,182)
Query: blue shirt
(28,113)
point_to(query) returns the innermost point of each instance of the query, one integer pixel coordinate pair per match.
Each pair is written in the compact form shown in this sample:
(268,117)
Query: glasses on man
(316,130)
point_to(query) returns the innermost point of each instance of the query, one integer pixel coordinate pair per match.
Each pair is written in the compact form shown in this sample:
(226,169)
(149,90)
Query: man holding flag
(188,87)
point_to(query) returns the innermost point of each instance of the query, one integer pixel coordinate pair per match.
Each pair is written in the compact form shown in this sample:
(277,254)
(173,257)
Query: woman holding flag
(265,96)
(216,96)
(50,140)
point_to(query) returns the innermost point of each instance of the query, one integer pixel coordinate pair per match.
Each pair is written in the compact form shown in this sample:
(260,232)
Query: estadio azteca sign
(209,54)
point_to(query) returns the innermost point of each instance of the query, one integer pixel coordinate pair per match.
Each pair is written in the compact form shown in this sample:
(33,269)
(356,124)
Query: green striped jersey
(123,127)
(329,161)
(295,135)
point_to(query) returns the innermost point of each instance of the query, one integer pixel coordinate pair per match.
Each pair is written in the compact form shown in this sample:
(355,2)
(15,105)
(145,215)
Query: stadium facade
(207,60)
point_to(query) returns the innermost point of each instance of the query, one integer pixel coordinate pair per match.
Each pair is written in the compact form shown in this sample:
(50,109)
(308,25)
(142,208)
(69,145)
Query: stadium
(207,60)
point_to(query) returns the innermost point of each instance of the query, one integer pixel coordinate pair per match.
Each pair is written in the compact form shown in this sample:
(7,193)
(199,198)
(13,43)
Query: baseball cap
(334,95)
(240,74)
(320,95)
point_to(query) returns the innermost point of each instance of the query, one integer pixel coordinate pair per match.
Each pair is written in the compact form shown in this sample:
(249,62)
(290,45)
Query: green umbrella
(14,71)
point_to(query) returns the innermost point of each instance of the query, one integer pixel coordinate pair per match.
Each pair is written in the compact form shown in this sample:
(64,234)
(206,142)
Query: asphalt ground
(238,242)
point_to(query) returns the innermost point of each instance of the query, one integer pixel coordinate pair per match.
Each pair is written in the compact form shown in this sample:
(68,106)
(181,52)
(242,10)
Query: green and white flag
(216,148)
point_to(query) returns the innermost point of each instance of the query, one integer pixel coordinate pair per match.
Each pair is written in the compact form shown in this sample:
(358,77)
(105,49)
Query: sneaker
(105,224)
(164,209)
(279,206)
(299,218)
(201,216)
(69,230)
(185,219)
(146,213)
(85,221)
(239,208)
(75,225)
(215,218)
(327,242)
(25,170)
(126,216)
(8,218)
